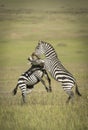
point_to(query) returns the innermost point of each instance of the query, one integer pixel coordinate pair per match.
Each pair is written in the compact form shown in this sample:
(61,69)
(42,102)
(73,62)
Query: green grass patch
(63,24)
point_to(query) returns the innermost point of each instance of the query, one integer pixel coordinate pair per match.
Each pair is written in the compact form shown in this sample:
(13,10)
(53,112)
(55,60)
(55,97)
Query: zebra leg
(71,95)
(23,90)
(24,98)
(43,82)
(49,81)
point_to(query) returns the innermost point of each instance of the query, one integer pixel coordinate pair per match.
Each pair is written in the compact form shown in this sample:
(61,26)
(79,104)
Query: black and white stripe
(31,77)
(56,69)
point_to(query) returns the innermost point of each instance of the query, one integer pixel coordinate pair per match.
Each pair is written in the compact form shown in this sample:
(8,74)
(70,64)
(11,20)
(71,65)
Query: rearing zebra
(31,77)
(56,69)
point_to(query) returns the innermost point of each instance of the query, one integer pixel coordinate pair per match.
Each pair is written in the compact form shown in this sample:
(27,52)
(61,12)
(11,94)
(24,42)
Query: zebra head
(39,50)
(36,60)
(46,49)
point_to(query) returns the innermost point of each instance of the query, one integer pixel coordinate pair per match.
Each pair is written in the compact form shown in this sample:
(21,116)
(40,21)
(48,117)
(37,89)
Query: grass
(47,120)
(63,24)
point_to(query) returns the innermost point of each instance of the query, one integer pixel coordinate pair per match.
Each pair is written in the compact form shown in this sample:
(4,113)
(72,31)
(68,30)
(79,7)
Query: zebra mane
(49,46)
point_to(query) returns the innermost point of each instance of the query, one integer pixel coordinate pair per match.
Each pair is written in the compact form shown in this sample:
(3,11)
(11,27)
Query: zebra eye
(39,43)
(37,47)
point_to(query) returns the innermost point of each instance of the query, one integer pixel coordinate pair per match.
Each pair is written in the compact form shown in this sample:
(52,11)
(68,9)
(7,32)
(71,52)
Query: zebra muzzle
(34,55)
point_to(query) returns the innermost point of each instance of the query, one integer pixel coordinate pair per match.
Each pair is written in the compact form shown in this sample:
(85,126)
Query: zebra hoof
(50,90)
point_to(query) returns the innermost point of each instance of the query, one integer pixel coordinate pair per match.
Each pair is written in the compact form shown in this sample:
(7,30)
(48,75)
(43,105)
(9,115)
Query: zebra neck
(51,58)
(48,63)
(50,55)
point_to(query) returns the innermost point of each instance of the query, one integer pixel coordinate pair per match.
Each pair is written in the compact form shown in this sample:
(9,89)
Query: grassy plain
(65,25)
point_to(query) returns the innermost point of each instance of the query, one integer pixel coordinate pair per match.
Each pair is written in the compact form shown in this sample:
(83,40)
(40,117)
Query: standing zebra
(31,77)
(56,69)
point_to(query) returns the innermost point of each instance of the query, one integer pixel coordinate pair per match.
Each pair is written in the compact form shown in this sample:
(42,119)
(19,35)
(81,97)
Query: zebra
(31,77)
(54,66)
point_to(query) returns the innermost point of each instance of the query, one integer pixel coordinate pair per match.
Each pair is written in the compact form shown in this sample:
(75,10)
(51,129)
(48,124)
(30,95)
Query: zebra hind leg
(23,98)
(71,96)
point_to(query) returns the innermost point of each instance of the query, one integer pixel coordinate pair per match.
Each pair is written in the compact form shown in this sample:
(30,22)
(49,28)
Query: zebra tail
(15,90)
(77,91)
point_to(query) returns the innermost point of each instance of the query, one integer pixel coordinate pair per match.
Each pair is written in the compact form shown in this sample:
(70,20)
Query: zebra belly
(35,77)
(63,76)
(32,80)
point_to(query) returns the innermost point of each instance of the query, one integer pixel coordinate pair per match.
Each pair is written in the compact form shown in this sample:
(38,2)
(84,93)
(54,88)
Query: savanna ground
(65,25)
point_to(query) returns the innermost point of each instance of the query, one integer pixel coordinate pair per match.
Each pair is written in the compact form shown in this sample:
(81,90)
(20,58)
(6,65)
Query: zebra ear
(40,41)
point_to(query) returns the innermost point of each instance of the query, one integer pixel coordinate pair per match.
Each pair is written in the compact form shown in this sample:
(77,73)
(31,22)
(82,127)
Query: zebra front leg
(43,82)
(49,81)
